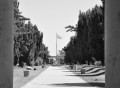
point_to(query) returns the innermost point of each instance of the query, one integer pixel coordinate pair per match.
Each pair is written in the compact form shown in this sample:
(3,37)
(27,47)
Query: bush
(98,63)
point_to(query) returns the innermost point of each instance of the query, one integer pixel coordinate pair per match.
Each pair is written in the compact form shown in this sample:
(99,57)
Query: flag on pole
(58,36)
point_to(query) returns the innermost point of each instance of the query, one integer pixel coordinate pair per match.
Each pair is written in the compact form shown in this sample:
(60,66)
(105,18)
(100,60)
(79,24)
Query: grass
(20,80)
(98,81)
(18,77)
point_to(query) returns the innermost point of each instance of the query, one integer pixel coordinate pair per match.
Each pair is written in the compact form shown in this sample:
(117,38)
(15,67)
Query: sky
(52,16)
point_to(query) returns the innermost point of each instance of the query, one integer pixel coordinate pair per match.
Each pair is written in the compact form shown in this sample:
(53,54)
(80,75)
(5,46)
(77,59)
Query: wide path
(57,77)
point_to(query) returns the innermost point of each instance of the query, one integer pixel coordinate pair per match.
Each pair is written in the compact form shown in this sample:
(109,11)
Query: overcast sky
(52,16)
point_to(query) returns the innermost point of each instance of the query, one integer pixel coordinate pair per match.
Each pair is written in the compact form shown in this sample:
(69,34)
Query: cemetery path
(57,77)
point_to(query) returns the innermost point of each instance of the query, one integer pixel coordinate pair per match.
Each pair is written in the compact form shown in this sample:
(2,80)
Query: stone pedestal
(6,43)
(82,71)
(112,43)
(75,67)
(26,73)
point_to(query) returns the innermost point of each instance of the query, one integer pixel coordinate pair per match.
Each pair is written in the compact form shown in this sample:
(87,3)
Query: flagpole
(56,45)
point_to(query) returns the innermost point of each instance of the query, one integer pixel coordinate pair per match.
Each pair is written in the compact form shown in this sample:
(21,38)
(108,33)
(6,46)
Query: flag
(58,36)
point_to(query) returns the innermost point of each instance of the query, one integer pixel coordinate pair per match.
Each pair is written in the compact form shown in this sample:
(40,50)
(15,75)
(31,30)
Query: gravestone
(82,71)
(26,73)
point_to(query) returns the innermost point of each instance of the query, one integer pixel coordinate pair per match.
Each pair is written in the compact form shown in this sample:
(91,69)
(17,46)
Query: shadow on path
(97,70)
(90,69)
(97,74)
(71,71)
(80,84)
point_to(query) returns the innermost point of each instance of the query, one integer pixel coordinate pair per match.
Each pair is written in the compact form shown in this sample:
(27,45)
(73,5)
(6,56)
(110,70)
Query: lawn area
(92,76)
(98,81)
(18,78)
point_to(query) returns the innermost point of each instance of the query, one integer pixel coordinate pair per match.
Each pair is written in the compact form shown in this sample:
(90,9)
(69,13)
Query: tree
(27,39)
(88,41)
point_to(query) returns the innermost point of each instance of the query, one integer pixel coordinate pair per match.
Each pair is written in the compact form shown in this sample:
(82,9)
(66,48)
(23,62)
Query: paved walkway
(57,77)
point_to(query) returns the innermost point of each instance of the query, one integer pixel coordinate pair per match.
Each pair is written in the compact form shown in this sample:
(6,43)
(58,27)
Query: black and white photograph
(59,44)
